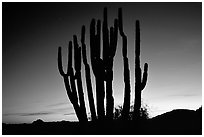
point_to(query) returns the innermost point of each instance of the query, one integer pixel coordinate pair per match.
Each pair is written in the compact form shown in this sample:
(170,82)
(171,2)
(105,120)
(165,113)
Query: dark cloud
(62,110)
(58,104)
(28,114)
(37,114)
(70,113)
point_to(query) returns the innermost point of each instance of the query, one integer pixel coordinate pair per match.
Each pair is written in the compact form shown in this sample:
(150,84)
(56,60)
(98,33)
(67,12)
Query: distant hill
(180,121)
(175,122)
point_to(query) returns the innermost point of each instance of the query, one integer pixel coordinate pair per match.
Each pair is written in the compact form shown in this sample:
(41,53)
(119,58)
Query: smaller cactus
(140,82)
(71,90)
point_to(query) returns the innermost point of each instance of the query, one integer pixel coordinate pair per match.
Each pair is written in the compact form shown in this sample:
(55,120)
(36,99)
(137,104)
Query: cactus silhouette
(102,68)
(70,86)
(88,76)
(140,82)
(97,67)
(109,50)
(126,104)
(77,66)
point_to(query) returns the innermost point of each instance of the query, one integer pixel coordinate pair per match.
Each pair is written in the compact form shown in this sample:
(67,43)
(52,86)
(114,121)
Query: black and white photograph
(102,68)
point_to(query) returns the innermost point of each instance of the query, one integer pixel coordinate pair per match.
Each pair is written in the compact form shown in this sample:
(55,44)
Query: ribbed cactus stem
(120,18)
(144,77)
(140,81)
(92,45)
(97,67)
(77,65)
(73,100)
(88,76)
(105,36)
(126,71)
(109,49)
(60,68)
(70,73)
(69,60)
(115,38)
(70,92)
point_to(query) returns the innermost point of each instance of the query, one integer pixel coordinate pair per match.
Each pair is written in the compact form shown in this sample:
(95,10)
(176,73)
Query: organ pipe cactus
(127,90)
(88,76)
(110,39)
(140,82)
(102,68)
(97,67)
(77,66)
(69,81)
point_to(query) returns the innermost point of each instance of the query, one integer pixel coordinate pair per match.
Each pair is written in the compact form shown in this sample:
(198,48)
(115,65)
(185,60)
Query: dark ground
(176,122)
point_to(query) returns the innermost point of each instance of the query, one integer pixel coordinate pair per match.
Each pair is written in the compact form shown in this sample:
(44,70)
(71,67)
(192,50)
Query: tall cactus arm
(98,39)
(96,62)
(124,48)
(69,67)
(77,55)
(124,37)
(144,78)
(115,37)
(92,46)
(111,42)
(88,76)
(137,58)
(92,41)
(70,73)
(127,90)
(97,67)
(126,104)
(105,36)
(137,47)
(66,80)
(120,18)
(83,45)
(109,78)
(60,67)
(140,81)
(73,99)
(77,65)
(71,91)
(68,89)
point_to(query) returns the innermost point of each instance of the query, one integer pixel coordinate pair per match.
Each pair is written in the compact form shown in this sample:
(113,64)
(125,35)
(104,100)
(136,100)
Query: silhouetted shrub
(144,112)
(118,112)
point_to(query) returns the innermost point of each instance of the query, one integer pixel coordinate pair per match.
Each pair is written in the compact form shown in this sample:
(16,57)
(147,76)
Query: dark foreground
(177,122)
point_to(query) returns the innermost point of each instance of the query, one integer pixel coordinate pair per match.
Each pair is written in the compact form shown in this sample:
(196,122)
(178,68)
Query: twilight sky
(171,43)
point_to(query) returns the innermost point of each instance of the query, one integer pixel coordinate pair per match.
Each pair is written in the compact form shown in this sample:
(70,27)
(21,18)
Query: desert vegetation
(102,67)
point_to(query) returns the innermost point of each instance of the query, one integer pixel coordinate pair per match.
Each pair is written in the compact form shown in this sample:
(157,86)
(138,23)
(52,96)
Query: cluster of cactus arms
(97,67)
(102,67)
(69,80)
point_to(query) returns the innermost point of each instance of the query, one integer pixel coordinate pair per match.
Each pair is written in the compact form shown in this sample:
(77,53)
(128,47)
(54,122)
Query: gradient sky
(32,87)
